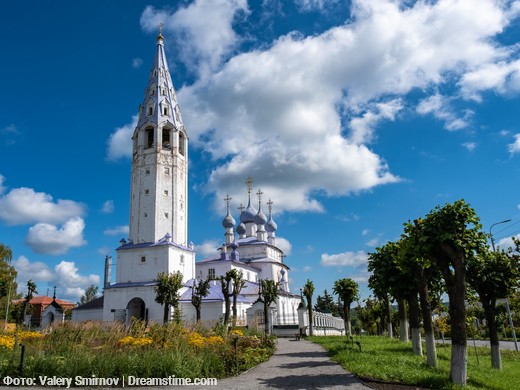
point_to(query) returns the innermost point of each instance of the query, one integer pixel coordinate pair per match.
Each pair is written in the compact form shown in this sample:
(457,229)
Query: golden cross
(249,183)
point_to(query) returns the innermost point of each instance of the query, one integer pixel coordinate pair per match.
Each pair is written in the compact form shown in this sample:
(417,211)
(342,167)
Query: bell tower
(159,189)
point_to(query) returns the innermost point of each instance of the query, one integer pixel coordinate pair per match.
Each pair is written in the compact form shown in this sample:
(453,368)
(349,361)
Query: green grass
(390,360)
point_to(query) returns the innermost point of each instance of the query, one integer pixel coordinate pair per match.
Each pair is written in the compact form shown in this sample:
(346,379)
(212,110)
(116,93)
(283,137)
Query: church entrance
(136,309)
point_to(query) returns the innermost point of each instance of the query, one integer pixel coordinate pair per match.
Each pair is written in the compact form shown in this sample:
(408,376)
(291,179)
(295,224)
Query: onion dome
(270,225)
(228,222)
(248,215)
(260,218)
(241,229)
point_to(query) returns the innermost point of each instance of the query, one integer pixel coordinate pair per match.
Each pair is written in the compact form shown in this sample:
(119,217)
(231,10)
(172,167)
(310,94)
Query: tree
(493,275)
(238,282)
(269,293)
(8,284)
(326,304)
(199,291)
(90,294)
(348,291)
(167,292)
(450,236)
(426,275)
(225,286)
(31,290)
(308,290)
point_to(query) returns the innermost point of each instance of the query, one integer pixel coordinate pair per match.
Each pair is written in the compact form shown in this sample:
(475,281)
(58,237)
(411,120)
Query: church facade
(158,239)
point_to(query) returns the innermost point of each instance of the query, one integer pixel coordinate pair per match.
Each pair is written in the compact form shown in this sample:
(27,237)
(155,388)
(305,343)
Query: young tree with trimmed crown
(167,292)
(348,291)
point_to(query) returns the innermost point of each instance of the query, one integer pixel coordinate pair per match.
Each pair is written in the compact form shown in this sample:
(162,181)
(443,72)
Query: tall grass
(112,350)
(390,360)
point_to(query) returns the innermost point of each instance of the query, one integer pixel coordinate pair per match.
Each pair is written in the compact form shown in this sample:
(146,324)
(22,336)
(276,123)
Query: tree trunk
(310,320)
(234,310)
(431,353)
(403,321)
(197,309)
(389,318)
(346,311)
(166,317)
(489,309)
(228,309)
(455,284)
(415,324)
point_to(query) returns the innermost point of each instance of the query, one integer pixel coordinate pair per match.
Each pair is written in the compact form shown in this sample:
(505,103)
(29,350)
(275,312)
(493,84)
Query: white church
(158,237)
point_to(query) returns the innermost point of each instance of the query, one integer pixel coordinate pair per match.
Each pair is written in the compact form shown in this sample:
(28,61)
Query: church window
(147,171)
(163,91)
(165,111)
(145,215)
(182,259)
(146,192)
(182,144)
(150,110)
(155,73)
(166,215)
(166,142)
(152,92)
(166,192)
(143,259)
(149,138)
(211,273)
(166,171)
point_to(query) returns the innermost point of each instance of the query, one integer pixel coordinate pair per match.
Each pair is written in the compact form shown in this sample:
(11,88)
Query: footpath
(295,365)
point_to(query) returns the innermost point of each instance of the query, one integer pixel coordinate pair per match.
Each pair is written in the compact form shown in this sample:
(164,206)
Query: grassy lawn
(390,360)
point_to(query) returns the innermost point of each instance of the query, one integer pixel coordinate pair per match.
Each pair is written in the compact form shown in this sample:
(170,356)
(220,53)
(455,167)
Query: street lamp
(513,333)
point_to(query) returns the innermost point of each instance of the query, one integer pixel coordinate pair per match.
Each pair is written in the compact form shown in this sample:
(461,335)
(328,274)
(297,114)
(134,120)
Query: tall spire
(160,101)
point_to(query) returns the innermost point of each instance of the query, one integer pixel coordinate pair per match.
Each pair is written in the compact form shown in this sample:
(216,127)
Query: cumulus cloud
(10,134)
(208,248)
(506,243)
(70,283)
(24,206)
(515,146)
(284,245)
(351,259)
(314,5)
(120,142)
(304,108)
(117,230)
(108,207)
(53,240)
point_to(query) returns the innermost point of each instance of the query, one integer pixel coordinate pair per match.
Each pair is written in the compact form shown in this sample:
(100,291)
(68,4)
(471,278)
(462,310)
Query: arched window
(166,140)
(149,138)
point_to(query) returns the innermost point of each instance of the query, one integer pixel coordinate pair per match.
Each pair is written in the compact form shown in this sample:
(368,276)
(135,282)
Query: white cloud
(70,284)
(37,271)
(105,250)
(364,232)
(136,63)
(210,39)
(120,141)
(117,231)
(372,242)
(108,207)
(290,102)
(314,5)
(362,128)
(208,248)
(10,134)
(307,268)
(352,259)
(507,242)
(2,188)
(502,77)
(284,245)
(24,206)
(515,146)
(53,240)
(439,106)
(471,146)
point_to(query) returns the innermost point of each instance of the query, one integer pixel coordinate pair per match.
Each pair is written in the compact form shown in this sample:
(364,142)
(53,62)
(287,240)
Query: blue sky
(352,116)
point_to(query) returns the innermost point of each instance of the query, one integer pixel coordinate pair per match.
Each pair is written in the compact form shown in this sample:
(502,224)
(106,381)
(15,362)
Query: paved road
(295,365)
(485,343)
